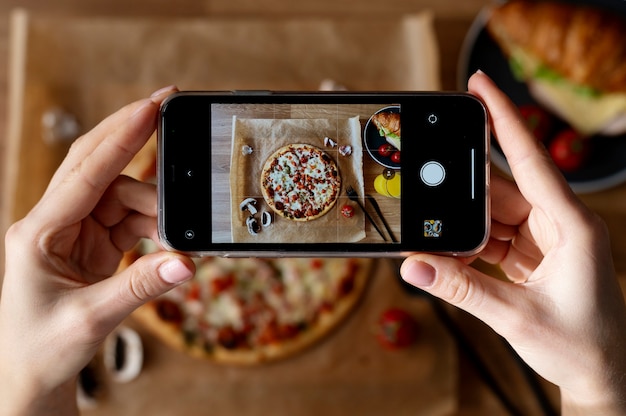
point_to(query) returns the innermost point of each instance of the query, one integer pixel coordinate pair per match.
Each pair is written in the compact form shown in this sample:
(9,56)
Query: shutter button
(433,173)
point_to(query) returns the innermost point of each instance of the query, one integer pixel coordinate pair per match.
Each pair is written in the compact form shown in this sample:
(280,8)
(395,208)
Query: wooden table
(453,18)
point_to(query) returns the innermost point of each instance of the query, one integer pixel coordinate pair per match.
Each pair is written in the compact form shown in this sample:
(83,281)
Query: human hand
(563,310)
(59,300)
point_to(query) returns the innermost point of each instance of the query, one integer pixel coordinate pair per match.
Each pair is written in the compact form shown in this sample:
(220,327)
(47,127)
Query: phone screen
(332,174)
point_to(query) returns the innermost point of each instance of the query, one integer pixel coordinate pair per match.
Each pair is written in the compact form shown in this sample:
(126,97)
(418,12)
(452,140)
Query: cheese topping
(586,111)
(248,296)
(301,181)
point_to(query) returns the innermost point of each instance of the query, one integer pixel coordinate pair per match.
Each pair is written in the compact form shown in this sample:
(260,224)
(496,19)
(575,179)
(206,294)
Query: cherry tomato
(397,329)
(385,149)
(347,211)
(395,157)
(569,150)
(538,120)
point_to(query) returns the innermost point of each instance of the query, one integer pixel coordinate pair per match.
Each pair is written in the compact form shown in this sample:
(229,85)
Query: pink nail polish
(175,271)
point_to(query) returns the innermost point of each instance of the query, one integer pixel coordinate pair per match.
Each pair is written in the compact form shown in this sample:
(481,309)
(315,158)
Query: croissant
(388,125)
(584,46)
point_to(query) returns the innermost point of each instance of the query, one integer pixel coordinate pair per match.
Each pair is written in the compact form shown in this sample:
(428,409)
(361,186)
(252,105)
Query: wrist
(575,407)
(32,401)
(23,396)
(607,400)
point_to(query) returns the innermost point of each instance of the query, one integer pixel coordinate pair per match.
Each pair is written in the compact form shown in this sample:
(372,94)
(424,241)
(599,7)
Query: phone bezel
(322,249)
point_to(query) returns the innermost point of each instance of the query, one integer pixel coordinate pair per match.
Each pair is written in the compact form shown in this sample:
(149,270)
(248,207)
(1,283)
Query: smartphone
(273,174)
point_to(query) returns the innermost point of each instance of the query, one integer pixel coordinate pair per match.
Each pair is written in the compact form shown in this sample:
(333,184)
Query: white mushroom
(123,354)
(253,225)
(328,142)
(266,219)
(59,126)
(88,388)
(248,204)
(345,150)
(328,84)
(246,150)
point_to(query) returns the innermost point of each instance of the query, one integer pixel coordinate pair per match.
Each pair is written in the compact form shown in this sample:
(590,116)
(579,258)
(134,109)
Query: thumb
(489,299)
(148,277)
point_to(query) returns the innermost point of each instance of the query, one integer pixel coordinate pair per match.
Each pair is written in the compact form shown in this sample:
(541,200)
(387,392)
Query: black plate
(373,140)
(606,166)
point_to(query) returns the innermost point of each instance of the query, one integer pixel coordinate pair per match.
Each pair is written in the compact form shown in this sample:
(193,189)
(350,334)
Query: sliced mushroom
(123,354)
(253,225)
(328,142)
(88,388)
(266,219)
(246,150)
(248,204)
(345,150)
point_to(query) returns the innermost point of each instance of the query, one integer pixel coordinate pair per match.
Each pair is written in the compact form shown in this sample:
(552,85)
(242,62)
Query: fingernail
(418,273)
(158,95)
(174,271)
(142,107)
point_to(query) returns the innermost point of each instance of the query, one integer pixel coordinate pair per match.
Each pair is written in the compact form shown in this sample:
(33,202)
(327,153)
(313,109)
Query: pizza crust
(172,335)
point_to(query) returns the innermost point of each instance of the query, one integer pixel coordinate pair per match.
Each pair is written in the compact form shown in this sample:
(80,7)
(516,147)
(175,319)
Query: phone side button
(251,92)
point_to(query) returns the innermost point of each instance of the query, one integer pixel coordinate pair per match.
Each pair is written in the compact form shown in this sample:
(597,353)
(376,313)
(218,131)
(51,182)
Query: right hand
(563,310)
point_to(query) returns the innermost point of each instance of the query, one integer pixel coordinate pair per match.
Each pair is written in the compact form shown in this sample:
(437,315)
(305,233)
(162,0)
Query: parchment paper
(90,67)
(265,136)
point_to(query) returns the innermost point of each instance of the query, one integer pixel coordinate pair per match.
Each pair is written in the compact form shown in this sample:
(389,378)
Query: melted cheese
(247,294)
(225,311)
(588,115)
(301,179)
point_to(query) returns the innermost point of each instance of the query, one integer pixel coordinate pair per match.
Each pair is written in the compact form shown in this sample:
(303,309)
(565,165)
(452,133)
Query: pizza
(249,311)
(300,182)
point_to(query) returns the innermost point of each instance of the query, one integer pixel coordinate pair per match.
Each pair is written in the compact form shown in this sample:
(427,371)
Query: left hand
(59,301)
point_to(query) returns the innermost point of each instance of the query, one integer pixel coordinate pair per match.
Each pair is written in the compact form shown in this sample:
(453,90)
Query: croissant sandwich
(572,57)
(388,125)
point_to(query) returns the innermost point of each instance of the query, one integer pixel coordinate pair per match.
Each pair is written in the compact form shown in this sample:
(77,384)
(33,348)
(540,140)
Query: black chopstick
(354,196)
(371,220)
(380,215)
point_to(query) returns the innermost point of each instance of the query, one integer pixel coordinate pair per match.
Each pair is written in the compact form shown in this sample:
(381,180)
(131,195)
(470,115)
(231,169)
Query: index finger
(97,161)
(537,177)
